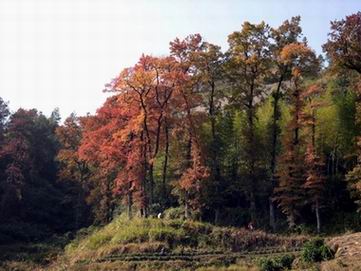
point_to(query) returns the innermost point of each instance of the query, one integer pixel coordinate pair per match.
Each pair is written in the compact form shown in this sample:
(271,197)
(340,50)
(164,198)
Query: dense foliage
(316,251)
(265,132)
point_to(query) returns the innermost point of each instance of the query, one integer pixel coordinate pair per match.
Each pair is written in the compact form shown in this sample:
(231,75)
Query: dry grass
(20,266)
(155,235)
(348,253)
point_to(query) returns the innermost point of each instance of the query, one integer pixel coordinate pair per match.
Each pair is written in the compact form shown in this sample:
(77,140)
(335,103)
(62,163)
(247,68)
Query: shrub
(267,264)
(174,213)
(316,251)
(286,261)
(283,262)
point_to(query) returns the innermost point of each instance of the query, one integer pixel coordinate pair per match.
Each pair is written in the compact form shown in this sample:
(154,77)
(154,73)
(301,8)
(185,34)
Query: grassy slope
(153,236)
(161,244)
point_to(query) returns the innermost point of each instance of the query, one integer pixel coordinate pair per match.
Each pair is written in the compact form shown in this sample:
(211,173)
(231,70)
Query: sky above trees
(61,53)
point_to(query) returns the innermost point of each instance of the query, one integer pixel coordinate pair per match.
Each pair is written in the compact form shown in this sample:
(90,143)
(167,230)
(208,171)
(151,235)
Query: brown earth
(347,253)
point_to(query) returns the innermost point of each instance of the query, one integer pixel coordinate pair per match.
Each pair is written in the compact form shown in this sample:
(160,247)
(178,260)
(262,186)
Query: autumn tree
(343,47)
(315,178)
(207,65)
(291,170)
(104,148)
(247,67)
(193,56)
(152,83)
(287,33)
(72,168)
(132,128)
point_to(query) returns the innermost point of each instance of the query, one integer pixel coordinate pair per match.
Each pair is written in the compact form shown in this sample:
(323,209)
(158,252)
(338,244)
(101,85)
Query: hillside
(165,244)
(176,244)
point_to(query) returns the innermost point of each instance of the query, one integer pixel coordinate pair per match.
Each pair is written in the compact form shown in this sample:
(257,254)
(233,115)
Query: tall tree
(344,50)
(248,64)
(291,170)
(289,32)
(208,67)
(185,52)
(315,179)
(344,44)
(109,141)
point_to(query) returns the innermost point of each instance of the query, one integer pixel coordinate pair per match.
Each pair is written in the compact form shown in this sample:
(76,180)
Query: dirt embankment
(348,253)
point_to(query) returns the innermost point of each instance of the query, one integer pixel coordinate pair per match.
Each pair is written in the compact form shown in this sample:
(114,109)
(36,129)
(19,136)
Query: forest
(266,133)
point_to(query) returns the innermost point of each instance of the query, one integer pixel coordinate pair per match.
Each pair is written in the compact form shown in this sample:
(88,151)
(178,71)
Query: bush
(267,264)
(286,261)
(316,251)
(174,213)
(283,262)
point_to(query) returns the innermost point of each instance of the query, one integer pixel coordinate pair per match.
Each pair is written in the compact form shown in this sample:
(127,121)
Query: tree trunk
(251,155)
(272,218)
(291,220)
(165,165)
(130,203)
(317,210)
(216,171)
(186,195)
(253,207)
(275,134)
(151,185)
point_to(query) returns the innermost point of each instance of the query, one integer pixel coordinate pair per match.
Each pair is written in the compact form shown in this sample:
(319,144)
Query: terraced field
(181,261)
(198,256)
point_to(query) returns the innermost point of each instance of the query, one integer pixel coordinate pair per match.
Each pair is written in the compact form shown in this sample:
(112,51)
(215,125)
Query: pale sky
(61,53)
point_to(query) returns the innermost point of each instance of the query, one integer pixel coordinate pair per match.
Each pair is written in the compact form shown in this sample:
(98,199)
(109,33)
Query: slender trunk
(151,184)
(143,192)
(215,167)
(253,207)
(317,205)
(186,195)
(317,210)
(297,114)
(291,220)
(165,165)
(251,155)
(110,205)
(130,201)
(78,211)
(212,111)
(272,217)
(275,134)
